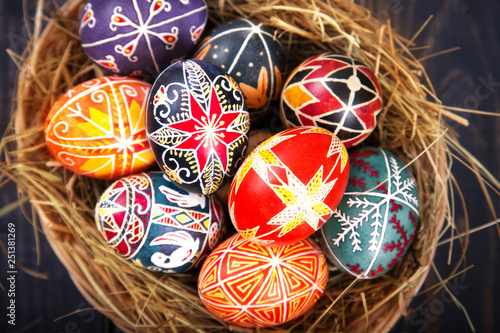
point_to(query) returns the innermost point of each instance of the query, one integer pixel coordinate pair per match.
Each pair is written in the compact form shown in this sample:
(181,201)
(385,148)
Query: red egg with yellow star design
(289,186)
(97,128)
(197,124)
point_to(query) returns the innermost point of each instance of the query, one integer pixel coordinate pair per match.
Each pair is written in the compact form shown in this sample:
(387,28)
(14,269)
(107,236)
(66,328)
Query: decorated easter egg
(250,285)
(288,187)
(197,125)
(375,223)
(150,221)
(97,128)
(335,92)
(252,55)
(138,37)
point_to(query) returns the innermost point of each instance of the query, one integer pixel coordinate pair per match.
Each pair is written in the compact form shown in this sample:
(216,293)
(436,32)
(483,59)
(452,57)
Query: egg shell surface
(252,54)
(139,37)
(250,285)
(335,92)
(147,219)
(197,125)
(97,128)
(288,187)
(375,223)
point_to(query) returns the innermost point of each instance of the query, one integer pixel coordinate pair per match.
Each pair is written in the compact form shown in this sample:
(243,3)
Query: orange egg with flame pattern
(97,128)
(251,285)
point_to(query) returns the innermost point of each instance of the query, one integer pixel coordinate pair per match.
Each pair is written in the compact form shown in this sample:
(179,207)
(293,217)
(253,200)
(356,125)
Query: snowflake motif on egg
(133,33)
(375,222)
(395,195)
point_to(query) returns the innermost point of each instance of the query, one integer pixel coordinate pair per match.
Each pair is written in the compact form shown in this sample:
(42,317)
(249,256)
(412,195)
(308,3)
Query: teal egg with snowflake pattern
(375,223)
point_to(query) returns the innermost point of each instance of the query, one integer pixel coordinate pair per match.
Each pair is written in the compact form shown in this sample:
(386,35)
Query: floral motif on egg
(335,92)
(197,125)
(375,223)
(139,37)
(156,225)
(252,55)
(97,128)
(255,286)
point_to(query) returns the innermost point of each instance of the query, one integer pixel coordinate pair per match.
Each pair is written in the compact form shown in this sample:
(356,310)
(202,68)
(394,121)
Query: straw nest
(409,125)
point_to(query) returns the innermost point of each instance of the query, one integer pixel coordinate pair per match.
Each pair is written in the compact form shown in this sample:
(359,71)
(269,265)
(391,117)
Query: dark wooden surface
(469,77)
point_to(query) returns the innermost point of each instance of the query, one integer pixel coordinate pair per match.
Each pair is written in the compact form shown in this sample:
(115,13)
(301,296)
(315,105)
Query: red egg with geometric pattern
(97,128)
(335,92)
(250,285)
(288,187)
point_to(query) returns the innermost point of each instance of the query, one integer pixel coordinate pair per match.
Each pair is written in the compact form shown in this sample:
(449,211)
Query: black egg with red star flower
(197,125)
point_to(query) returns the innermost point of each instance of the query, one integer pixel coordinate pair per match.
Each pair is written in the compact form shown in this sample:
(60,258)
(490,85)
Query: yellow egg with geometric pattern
(97,128)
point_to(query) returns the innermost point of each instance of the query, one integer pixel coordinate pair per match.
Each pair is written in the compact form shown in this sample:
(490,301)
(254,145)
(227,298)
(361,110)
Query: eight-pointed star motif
(208,131)
(304,202)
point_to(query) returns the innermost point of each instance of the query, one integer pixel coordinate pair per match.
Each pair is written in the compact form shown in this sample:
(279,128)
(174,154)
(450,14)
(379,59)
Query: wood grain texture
(469,77)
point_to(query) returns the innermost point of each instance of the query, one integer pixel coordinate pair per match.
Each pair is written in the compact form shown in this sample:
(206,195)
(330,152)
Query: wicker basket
(139,300)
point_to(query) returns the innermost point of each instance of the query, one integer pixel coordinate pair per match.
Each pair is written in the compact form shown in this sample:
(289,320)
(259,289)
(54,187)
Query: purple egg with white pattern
(140,37)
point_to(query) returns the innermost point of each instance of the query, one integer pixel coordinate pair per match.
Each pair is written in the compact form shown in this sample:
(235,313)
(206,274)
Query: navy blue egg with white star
(252,55)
